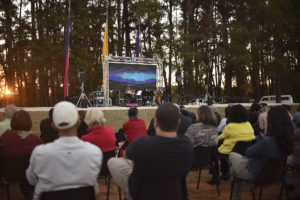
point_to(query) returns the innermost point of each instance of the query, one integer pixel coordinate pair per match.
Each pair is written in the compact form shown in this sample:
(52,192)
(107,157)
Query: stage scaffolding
(129,60)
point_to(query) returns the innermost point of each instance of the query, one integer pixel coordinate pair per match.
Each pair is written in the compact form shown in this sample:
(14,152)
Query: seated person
(204,131)
(277,142)
(239,129)
(68,162)
(8,113)
(160,156)
(262,119)
(184,124)
(253,113)
(83,128)
(187,113)
(98,134)
(224,121)
(48,134)
(133,128)
(19,142)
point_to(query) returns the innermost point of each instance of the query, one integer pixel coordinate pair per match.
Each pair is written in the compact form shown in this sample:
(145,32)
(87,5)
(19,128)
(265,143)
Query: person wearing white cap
(68,162)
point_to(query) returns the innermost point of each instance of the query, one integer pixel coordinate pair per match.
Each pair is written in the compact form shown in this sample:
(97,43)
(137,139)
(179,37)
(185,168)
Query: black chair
(82,193)
(202,157)
(162,189)
(104,173)
(14,170)
(271,173)
(287,168)
(241,147)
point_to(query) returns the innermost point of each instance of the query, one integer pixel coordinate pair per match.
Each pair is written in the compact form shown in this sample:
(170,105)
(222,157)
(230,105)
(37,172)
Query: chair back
(202,157)
(162,189)
(82,193)
(240,147)
(1,161)
(106,156)
(15,168)
(271,172)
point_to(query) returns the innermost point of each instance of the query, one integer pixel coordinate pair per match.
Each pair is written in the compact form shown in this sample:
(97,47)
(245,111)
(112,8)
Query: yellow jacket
(233,133)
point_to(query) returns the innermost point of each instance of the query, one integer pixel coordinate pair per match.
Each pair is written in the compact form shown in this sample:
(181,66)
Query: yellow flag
(105,43)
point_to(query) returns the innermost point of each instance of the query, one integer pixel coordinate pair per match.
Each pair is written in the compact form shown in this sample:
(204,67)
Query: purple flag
(138,44)
(67,56)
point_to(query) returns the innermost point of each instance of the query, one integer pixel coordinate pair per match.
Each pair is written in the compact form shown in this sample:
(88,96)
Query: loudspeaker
(178,77)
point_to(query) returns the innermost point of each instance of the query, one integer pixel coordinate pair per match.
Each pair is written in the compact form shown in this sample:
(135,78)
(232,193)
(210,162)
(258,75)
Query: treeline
(246,48)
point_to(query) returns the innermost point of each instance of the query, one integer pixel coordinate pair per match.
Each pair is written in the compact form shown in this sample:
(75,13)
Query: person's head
(65,118)
(167,118)
(50,113)
(82,114)
(280,127)
(94,117)
(255,107)
(238,114)
(132,113)
(227,111)
(21,121)
(263,107)
(9,111)
(206,116)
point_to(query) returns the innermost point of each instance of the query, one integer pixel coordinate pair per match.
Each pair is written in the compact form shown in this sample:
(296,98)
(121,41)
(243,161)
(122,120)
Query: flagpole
(107,27)
(67,52)
(69,45)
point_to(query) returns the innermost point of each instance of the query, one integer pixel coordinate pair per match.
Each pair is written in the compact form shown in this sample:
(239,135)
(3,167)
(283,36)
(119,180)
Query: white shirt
(4,125)
(66,163)
(222,125)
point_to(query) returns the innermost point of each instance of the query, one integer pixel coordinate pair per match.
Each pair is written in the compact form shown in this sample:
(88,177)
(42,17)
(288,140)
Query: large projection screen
(137,76)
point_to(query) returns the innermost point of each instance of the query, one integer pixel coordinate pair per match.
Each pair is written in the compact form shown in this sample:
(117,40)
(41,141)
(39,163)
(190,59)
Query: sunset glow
(8,92)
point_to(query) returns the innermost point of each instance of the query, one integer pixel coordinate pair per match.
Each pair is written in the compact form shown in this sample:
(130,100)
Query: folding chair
(104,173)
(14,170)
(82,193)
(271,173)
(202,157)
(162,189)
(240,148)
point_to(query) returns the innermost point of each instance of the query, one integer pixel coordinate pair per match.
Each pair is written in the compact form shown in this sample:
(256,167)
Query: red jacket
(101,136)
(134,129)
(15,145)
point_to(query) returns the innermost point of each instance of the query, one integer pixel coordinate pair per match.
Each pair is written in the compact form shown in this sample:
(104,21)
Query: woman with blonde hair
(204,132)
(99,134)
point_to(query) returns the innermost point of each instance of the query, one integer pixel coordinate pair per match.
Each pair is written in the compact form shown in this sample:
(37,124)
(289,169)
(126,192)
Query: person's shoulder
(185,119)
(126,123)
(185,142)
(43,149)
(108,128)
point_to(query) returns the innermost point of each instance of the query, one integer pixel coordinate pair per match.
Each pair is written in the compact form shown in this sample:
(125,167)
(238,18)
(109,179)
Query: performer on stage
(130,95)
(160,94)
(145,96)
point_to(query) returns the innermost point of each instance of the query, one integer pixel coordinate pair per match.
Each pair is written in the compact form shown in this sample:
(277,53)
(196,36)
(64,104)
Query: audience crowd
(71,149)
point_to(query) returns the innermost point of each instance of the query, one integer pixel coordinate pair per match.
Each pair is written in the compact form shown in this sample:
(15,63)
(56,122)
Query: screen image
(137,76)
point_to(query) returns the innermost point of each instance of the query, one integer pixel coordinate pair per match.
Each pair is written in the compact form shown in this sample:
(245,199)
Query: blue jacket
(258,153)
